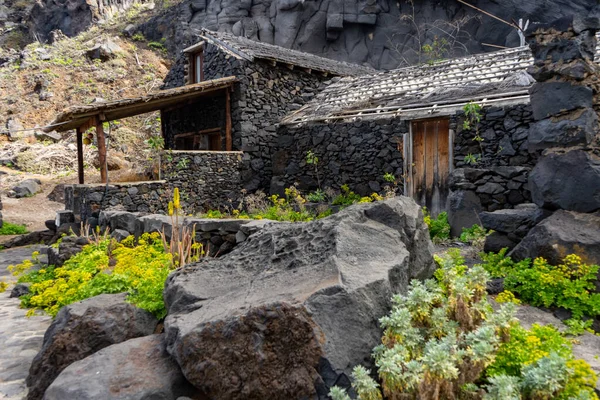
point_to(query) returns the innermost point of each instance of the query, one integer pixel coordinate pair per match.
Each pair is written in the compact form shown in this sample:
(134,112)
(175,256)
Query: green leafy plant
(439,228)
(570,285)
(12,229)
(442,340)
(436,51)
(317,196)
(346,198)
(474,235)
(156,142)
(473,116)
(312,159)
(183,163)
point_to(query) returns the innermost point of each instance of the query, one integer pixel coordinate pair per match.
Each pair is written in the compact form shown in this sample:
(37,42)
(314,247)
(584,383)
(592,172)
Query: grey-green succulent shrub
(440,338)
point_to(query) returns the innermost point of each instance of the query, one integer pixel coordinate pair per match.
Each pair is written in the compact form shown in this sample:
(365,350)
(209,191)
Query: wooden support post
(101,150)
(80,155)
(228,140)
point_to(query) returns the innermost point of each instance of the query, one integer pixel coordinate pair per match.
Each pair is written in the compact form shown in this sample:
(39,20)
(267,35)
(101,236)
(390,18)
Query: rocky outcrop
(563,233)
(80,330)
(372,32)
(569,181)
(72,17)
(137,369)
(567,175)
(289,313)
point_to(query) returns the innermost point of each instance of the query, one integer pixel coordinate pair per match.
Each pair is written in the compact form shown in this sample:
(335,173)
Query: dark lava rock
(137,369)
(497,241)
(570,181)
(563,233)
(579,128)
(20,289)
(463,208)
(81,329)
(552,98)
(294,300)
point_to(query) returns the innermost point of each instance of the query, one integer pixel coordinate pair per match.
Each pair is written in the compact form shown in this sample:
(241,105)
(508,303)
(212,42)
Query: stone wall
(218,236)
(504,131)
(87,201)
(206,179)
(357,154)
(496,187)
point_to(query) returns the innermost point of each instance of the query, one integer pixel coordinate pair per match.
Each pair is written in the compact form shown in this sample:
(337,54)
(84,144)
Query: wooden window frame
(194,67)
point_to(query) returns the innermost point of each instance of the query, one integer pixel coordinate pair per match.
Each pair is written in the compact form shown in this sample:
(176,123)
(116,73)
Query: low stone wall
(206,179)
(357,154)
(497,187)
(218,236)
(87,201)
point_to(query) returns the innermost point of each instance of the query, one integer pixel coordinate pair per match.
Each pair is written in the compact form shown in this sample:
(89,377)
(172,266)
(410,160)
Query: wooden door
(431,163)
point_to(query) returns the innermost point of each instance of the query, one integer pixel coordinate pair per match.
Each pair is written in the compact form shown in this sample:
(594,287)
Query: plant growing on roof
(312,159)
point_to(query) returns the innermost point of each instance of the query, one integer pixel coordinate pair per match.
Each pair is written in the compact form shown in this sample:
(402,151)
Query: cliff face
(382,33)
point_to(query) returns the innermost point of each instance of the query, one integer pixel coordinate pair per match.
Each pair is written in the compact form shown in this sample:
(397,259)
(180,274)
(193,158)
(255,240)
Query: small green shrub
(12,229)
(346,198)
(157,46)
(569,285)
(439,228)
(473,235)
(317,196)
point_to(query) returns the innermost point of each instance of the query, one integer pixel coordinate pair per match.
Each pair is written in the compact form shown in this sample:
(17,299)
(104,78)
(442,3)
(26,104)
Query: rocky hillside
(383,33)
(100,63)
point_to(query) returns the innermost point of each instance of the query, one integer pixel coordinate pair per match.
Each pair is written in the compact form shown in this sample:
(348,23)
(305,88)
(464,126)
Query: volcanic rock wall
(383,33)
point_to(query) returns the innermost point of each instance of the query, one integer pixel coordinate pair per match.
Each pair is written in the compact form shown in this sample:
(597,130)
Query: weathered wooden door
(430,163)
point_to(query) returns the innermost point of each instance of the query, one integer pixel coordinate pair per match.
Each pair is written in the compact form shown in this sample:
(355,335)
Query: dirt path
(20,337)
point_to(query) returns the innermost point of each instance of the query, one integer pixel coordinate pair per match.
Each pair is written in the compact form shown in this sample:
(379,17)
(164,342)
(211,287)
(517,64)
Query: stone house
(271,82)
(410,123)
(219,109)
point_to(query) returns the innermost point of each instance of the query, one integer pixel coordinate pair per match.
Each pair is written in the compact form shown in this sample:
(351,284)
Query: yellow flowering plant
(138,269)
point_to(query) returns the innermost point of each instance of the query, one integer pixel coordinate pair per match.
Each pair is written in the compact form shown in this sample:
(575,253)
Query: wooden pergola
(81,118)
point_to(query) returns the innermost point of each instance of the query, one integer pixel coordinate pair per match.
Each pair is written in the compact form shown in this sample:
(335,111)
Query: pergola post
(101,150)
(80,155)
(228,140)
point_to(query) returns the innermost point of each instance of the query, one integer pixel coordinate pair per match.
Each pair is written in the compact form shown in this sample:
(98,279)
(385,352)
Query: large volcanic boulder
(570,181)
(82,329)
(137,369)
(563,233)
(289,312)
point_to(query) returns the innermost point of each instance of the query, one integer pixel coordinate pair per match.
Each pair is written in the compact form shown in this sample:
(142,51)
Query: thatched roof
(77,116)
(251,50)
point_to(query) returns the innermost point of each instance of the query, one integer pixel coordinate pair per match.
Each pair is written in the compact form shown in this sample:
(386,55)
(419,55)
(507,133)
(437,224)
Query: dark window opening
(209,140)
